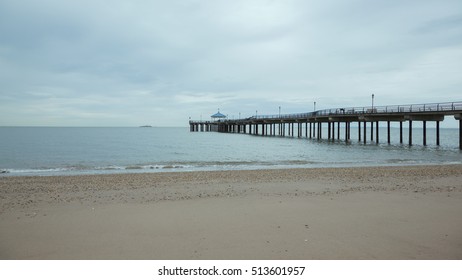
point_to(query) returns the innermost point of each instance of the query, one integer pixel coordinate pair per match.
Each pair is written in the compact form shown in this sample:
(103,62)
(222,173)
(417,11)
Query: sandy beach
(411,212)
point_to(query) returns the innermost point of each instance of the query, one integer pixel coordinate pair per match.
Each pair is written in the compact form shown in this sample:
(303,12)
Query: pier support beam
(437,133)
(377,132)
(401,132)
(388,132)
(365,135)
(346,131)
(359,131)
(372,131)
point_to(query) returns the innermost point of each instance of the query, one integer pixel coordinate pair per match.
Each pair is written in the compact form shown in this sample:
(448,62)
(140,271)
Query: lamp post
(256,113)
(314,106)
(279,111)
(372,102)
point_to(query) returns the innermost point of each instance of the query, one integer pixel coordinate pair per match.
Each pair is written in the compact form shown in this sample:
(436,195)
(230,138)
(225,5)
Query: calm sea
(68,151)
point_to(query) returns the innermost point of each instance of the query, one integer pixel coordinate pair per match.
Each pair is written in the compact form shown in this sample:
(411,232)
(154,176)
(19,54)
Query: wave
(32,170)
(155,167)
(186,166)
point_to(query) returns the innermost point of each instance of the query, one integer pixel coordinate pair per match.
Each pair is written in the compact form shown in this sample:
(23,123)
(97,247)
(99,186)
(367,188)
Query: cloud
(129,62)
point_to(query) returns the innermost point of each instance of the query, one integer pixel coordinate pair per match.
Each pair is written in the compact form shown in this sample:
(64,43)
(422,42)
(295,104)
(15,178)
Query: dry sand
(412,212)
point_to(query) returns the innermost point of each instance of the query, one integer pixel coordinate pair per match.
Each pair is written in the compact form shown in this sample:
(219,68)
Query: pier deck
(313,121)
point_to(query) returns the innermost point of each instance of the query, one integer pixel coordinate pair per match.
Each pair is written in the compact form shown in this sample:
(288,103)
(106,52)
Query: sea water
(69,151)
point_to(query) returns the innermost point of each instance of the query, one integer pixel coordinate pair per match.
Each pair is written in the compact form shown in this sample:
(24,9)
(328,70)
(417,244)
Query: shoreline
(308,171)
(57,172)
(392,212)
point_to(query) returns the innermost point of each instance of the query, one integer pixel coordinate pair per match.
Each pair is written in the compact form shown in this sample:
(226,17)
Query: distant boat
(146,126)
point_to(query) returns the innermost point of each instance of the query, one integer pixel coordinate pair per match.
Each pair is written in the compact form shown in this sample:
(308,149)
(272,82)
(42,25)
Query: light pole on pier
(279,111)
(372,102)
(256,113)
(314,106)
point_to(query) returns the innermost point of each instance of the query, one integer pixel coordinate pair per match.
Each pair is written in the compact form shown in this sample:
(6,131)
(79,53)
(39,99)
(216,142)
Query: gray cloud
(161,62)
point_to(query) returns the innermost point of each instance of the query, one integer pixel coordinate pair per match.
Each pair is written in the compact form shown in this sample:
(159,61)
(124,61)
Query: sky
(139,62)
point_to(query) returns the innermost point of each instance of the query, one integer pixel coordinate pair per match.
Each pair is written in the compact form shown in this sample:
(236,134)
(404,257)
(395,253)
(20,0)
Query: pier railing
(443,108)
(412,108)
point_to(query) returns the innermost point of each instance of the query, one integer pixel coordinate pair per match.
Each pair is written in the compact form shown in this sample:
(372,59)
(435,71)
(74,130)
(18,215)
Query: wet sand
(411,212)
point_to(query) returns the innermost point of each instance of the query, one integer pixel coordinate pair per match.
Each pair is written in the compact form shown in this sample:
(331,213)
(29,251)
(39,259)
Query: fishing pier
(312,125)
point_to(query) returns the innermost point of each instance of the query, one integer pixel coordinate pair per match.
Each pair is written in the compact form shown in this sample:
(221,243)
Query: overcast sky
(130,63)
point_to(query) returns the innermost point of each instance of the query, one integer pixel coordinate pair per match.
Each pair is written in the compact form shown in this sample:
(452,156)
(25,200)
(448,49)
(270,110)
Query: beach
(395,212)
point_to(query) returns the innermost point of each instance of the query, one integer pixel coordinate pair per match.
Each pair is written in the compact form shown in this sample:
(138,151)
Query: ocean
(72,151)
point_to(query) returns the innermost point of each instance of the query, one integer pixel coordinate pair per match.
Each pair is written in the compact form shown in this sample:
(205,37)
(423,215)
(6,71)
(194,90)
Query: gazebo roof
(218,115)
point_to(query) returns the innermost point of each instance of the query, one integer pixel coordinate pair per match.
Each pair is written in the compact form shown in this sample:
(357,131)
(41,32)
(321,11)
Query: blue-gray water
(55,151)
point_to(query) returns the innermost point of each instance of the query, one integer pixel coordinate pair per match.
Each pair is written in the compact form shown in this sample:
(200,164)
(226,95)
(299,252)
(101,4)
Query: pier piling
(437,133)
(388,132)
(372,131)
(365,135)
(401,132)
